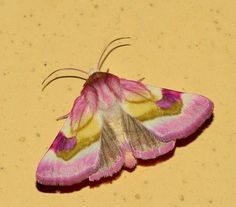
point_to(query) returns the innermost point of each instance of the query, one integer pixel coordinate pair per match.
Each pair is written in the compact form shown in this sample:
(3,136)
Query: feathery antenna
(60,77)
(101,59)
(110,51)
(100,63)
(61,69)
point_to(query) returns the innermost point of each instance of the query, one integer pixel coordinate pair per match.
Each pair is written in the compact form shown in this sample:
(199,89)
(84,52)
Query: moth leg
(63,117)
(144,143)
(141,79)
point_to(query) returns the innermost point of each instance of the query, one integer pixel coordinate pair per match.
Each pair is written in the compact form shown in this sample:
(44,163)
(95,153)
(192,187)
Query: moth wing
(111,157)
(169,114)
(143,142)
(73,155)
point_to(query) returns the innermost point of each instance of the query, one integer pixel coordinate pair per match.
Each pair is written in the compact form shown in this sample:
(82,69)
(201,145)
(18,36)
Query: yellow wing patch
(143,108)
(85,136)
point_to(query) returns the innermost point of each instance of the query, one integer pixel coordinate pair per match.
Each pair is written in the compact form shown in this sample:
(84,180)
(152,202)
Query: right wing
(169,114)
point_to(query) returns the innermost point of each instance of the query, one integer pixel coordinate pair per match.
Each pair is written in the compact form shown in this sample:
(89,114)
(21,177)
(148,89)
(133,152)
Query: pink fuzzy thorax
(102,90)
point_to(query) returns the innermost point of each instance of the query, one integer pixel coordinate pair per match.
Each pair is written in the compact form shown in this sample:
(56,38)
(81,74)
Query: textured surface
(182,45)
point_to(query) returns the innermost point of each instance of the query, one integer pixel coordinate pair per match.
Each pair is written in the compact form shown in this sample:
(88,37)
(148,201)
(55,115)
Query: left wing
(86,147)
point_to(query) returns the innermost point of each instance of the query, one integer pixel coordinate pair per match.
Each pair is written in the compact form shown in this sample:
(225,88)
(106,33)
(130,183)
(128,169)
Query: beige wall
(182,45)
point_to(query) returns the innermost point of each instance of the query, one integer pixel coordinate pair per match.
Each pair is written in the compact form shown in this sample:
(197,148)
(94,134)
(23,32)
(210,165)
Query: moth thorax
(106,97)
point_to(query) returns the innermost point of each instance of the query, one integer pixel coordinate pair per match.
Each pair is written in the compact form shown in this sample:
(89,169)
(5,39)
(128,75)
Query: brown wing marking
(144,143)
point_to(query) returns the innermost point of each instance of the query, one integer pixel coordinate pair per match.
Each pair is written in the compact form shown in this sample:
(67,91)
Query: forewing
(86,147)
(168,114)
(73,155)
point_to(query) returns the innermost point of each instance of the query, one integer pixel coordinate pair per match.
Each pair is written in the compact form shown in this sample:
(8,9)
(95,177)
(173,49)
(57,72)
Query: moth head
(92,70)
(95,76)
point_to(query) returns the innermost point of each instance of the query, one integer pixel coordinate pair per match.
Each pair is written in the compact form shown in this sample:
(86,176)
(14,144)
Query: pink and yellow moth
(115,122)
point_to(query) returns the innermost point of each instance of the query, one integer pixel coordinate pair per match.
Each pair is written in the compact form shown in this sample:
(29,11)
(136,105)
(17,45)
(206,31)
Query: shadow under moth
(114,122)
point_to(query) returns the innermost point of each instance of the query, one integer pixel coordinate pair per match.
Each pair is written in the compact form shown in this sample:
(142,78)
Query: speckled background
(182,45)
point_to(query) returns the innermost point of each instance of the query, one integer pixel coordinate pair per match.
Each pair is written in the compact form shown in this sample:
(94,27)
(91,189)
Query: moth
(115,122)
